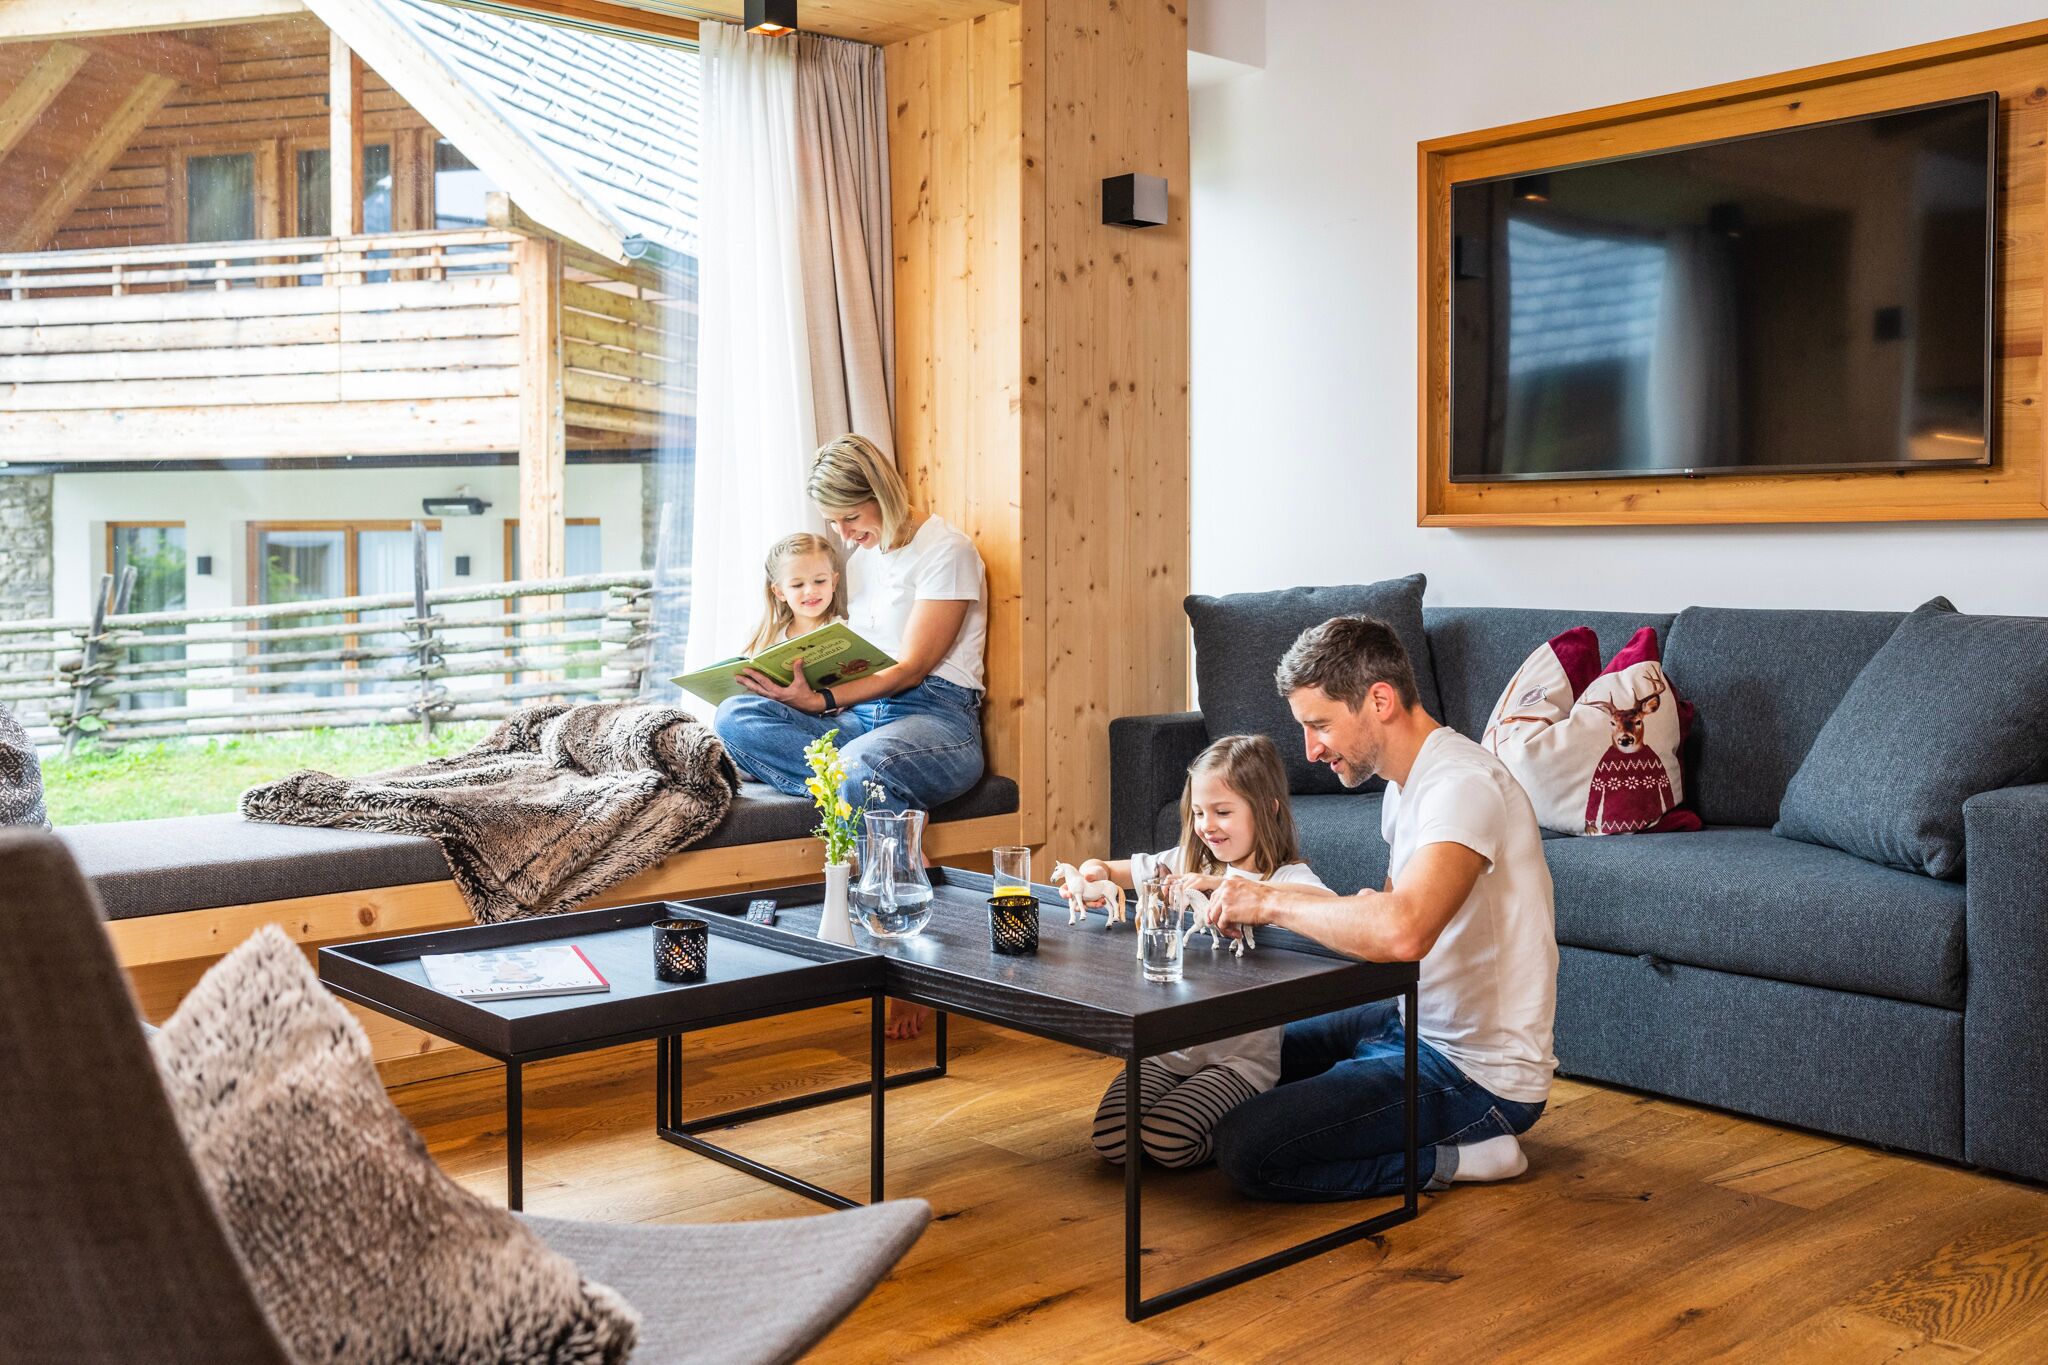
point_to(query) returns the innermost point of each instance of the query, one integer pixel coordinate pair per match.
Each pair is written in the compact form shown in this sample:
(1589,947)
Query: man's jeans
(1334,1126)
(922,745)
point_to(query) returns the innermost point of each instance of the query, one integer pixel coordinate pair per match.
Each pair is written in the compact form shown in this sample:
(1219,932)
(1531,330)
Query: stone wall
(24,564)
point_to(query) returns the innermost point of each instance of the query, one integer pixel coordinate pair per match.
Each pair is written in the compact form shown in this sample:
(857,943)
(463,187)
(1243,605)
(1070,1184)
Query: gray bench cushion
(197,862)
(1746,901)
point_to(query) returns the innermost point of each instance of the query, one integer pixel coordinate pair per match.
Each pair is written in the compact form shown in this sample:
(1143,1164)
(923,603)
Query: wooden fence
(397,658)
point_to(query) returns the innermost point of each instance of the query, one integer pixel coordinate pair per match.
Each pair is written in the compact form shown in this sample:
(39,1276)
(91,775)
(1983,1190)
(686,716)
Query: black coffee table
(1083,987)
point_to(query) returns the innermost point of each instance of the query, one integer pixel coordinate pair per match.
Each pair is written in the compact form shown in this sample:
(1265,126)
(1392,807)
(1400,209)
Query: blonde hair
(850,471)
(1250,766)
(778,616)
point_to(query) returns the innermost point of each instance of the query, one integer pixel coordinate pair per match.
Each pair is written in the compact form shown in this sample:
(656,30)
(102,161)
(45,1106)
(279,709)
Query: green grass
(203,777)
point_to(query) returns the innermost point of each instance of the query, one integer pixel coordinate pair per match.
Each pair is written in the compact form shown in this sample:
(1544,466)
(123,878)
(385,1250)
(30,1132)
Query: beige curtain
(842,160)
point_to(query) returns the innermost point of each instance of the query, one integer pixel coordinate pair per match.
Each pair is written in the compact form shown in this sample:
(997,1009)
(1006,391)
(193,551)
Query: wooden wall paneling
(110,135)
(1115,337)
(2009,61)
(36,90)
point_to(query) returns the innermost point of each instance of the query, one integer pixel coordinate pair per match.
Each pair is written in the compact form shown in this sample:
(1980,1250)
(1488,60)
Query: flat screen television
(1817,298)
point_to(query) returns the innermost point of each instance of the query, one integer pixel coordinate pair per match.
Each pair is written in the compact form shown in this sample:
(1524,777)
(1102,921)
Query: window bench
(181,892)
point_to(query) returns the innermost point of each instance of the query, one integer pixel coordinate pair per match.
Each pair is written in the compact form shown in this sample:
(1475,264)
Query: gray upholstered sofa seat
(1746,901)
(1731,966)
(199,862)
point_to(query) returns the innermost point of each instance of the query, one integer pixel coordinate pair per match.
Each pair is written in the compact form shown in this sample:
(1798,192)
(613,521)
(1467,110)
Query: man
(1467,894)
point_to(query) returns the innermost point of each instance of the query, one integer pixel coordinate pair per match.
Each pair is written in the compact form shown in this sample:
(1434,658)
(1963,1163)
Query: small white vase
(833,924)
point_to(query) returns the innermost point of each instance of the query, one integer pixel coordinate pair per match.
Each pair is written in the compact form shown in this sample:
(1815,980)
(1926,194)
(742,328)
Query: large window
(156,551)
(246,417)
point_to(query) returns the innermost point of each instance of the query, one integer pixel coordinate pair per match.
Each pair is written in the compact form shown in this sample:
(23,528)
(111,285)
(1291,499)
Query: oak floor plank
(1645,1229)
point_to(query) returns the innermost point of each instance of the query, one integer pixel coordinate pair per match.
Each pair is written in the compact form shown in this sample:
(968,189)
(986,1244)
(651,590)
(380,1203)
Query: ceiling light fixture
(771,17)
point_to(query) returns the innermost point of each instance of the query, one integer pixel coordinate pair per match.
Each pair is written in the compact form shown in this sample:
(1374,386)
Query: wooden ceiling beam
(44,82)
(165,54)
(34,20)
(121,125)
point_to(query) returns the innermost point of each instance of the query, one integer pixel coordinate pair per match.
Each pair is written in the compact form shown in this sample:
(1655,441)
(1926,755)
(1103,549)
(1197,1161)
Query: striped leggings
(1176,1114)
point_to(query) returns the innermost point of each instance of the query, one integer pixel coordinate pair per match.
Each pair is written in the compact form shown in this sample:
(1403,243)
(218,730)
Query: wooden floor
(1645,1229)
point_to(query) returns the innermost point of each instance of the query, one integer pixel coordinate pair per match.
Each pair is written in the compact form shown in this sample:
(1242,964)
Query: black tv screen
(1812,299)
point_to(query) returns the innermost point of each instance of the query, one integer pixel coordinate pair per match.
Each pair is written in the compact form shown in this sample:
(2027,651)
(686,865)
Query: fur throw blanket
(555,805)
(21,776)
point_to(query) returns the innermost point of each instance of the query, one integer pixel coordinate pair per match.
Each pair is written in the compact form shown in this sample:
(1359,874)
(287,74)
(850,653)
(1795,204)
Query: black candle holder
(682,949)
(1013,924)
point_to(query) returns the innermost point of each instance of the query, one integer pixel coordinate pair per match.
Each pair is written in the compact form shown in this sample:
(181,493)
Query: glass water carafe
(894,899)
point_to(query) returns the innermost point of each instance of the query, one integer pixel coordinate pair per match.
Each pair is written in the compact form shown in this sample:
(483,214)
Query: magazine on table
(514,973)
(833,653)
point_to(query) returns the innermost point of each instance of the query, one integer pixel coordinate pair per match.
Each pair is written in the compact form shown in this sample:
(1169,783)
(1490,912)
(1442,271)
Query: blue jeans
(922,745)
(1334,1127)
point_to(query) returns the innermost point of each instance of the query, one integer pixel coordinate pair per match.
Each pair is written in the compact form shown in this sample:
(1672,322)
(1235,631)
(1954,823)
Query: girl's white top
(1254,1056)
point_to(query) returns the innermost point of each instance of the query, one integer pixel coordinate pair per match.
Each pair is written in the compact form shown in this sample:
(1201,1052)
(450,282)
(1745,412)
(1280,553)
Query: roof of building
(617,116)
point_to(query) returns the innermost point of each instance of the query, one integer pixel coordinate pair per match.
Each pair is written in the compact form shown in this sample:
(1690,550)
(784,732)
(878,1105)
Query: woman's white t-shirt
(1254,1056)
(939,564)
(1488,991)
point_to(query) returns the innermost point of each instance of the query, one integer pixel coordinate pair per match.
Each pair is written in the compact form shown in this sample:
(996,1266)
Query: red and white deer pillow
(1596,749)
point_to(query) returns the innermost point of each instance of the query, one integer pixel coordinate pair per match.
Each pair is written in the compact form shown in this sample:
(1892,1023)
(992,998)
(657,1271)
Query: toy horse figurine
(1083,892)
(1199,903)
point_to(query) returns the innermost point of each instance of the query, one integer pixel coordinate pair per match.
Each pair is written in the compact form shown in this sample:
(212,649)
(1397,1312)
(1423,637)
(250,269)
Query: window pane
(220,198)
(459,188)
(384,564)
(157,554)
(377,187)
(303,566)
(316,209)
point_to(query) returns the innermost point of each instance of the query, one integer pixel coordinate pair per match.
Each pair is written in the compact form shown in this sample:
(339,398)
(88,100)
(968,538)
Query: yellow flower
(845,811)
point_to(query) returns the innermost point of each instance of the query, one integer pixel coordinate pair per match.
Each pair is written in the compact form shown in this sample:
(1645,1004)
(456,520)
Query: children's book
(833,654)
(514,973)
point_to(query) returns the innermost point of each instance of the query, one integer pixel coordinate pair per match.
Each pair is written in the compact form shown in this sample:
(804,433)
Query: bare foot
(905,1021)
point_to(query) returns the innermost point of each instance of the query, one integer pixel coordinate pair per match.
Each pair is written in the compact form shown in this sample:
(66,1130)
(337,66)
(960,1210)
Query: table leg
(661,1082)
(877,1088)
(514,1121)
(1410,1193)
(1134,1160)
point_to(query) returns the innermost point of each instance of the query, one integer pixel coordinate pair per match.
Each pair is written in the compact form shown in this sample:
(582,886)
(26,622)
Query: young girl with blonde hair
(804,589)
(1235,821)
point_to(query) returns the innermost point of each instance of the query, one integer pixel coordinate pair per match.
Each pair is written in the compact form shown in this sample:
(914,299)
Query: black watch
(831,702)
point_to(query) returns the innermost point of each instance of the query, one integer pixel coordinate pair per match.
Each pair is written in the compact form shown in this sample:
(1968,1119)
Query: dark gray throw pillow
(1950,706)
(1238,643)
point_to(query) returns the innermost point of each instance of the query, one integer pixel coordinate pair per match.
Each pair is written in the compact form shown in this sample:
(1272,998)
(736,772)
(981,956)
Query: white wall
(1304,368)
(217,506)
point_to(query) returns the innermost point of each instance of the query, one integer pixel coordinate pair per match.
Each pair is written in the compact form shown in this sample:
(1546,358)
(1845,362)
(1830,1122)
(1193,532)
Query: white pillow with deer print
(1596,749)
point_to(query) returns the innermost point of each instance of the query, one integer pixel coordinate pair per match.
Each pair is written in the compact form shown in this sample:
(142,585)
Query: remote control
(761,911)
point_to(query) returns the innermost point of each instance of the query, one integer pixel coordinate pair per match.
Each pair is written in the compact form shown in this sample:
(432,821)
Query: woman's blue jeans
(923,745)
(1334,1127)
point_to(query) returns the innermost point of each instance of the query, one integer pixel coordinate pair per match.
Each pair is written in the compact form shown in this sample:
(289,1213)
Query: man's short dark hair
(1345,656)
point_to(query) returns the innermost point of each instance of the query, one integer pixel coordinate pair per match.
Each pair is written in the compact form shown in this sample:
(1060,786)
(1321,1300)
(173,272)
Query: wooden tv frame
(2013,61)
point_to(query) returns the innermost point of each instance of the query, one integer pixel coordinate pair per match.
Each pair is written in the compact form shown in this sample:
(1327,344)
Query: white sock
(1497,1158)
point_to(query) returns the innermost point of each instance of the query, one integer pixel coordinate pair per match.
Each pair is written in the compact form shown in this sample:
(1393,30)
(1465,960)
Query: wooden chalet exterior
(546,331)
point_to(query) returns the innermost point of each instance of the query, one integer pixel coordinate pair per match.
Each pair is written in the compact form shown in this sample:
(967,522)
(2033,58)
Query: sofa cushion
(198,862)
(1340,840)
(1747,901)
(1238,643)
(1764,683)
(1475,650)
(1949,707)
(358,1246)
(1596,750)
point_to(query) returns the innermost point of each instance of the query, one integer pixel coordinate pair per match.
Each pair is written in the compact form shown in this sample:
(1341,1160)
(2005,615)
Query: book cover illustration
(514,973)
(833,654)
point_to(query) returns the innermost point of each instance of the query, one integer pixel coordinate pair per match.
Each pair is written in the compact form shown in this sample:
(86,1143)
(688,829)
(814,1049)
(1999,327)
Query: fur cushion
(359,1248)
(21,777)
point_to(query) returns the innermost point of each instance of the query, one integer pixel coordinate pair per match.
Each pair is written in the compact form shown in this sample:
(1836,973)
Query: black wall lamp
(771,17)
(463,504)
(1134,201)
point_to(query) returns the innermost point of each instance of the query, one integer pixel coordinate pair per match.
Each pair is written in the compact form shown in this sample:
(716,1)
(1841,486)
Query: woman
(917,589)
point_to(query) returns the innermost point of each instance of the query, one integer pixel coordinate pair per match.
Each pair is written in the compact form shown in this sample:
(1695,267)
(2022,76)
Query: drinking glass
(1013,870)
(1159,951)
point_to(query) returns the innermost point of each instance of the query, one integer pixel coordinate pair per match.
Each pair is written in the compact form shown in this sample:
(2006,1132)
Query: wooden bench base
(166,954)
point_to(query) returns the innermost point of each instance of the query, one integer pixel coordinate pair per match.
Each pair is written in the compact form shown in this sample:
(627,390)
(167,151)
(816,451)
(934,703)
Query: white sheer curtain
(755,430)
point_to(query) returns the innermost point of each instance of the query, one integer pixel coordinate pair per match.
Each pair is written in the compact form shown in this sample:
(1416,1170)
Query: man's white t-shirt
(1489,986)
(1254,1056)
(939,564)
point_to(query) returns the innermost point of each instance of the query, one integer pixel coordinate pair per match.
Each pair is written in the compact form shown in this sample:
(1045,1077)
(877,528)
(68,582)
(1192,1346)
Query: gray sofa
(1731,967)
